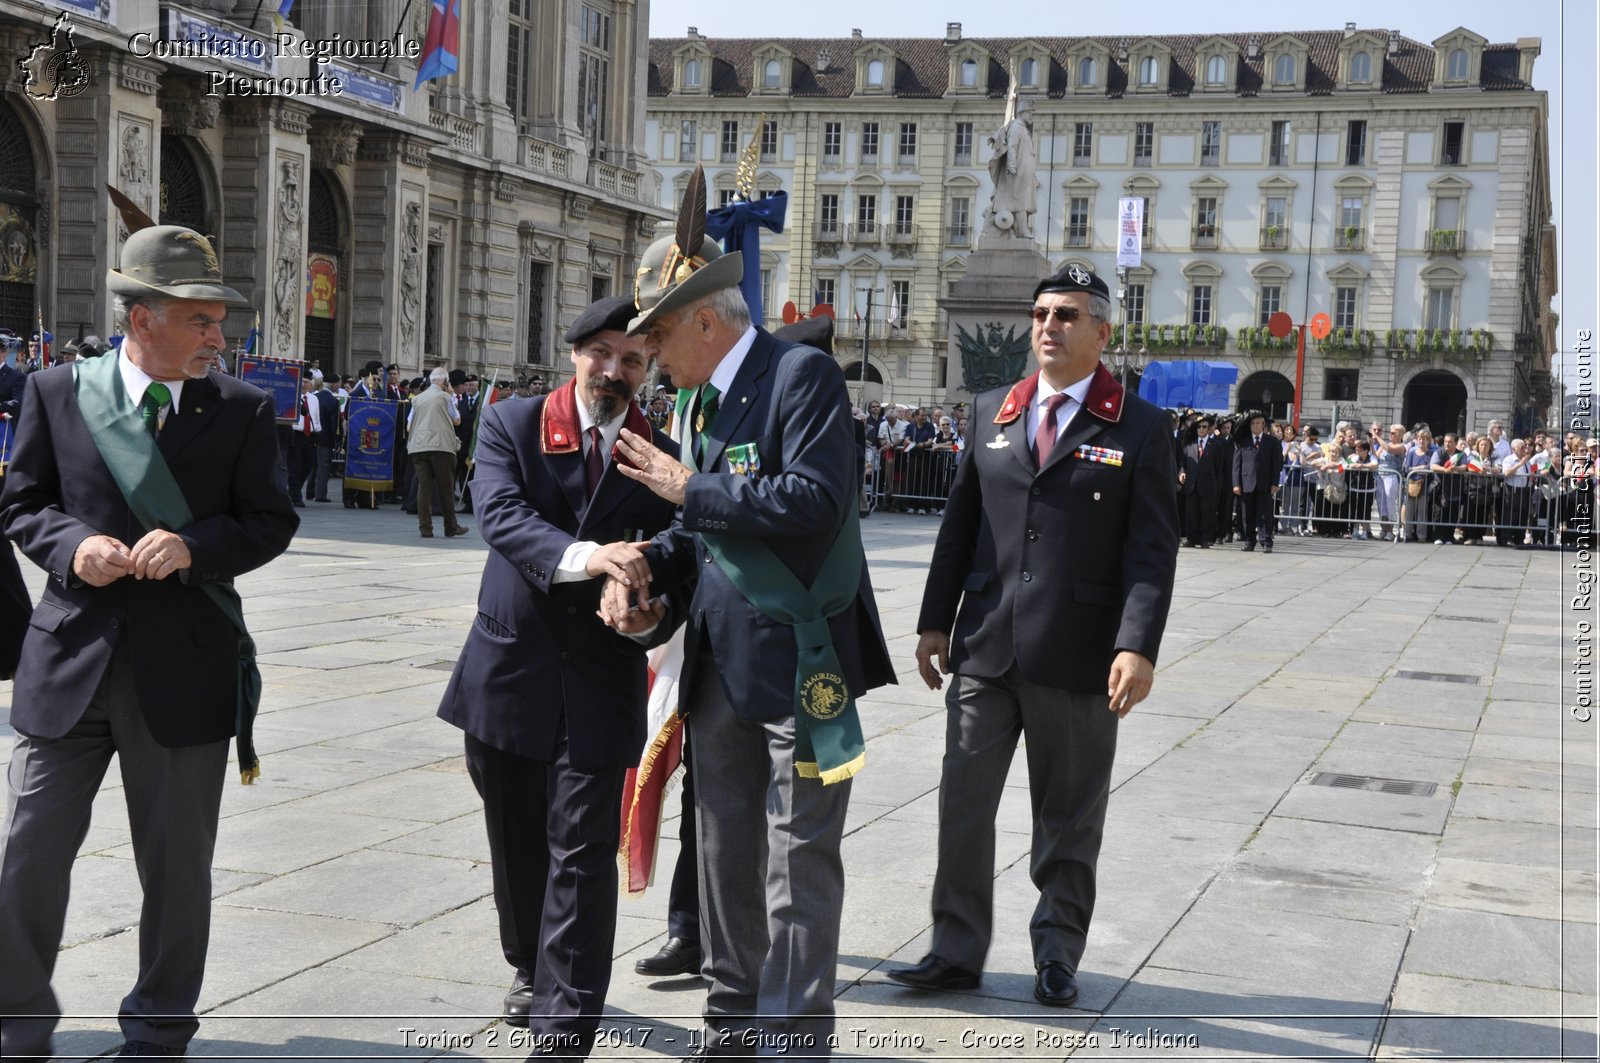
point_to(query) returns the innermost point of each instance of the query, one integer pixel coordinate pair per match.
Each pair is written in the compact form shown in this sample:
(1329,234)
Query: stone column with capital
(265,170)
(389,211)
(103,135)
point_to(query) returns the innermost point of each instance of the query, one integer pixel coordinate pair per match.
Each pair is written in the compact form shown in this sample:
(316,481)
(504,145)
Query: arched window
(19,247)
(1361,67)
(183,191)
(1455,67)
(691,74)
(1216,70)
(1087,74)
(1030,72)
(1283,70)
(875,73)
(969,73)
(1147,70)
(770,77)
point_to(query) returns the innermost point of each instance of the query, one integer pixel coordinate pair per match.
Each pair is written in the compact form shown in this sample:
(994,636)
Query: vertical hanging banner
(1130,232)
(322,284)
(369,448)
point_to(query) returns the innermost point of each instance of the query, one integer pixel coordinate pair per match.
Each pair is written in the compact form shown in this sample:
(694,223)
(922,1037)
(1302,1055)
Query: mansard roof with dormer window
(922,67)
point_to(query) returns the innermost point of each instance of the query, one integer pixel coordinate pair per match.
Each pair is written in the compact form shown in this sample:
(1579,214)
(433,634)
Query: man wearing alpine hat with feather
(782,634)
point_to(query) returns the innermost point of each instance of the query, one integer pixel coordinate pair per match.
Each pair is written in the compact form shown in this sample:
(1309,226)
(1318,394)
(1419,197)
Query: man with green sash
(782,635)
(142,483)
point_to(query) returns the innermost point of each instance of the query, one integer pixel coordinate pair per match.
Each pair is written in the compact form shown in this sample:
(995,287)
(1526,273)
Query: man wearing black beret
(1046,598)
(552,700)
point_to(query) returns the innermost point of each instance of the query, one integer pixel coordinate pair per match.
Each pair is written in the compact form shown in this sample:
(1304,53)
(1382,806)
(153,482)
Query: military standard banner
(1130,232)
(369,447)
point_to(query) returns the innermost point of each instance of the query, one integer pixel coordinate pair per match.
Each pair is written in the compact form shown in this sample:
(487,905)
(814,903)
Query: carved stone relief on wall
(288,272)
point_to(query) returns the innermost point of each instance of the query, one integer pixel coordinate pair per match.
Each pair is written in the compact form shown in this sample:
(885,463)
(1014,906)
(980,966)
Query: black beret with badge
(1073,278)
(613,313)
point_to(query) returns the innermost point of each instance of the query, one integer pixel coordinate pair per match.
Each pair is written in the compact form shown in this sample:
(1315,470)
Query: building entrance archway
(1437,398)
(1267,391)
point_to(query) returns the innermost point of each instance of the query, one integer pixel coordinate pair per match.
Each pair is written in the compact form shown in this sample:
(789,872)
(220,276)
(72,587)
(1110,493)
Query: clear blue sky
(1566,26)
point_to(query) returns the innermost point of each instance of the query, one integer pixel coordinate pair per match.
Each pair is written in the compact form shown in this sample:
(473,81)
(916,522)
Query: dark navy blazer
(1057,569)
(791,402)
(222,448)
(537,650)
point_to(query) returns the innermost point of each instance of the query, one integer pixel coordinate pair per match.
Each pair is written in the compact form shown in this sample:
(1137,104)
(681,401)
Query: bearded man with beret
(143,483)
(1047,596)
(552,700)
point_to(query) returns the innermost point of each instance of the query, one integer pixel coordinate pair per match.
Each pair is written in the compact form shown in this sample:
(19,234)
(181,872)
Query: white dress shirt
(1076,393)
(136,380)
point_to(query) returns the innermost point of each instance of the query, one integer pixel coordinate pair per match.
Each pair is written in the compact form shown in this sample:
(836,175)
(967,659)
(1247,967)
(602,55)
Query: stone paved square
(1244,911)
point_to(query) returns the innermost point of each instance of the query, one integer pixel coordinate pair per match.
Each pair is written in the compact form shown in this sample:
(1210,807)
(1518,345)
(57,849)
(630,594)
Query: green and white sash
(146,482)
(828,740)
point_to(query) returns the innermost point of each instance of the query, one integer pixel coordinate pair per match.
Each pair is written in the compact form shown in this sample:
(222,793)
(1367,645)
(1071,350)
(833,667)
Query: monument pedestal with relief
(988,344)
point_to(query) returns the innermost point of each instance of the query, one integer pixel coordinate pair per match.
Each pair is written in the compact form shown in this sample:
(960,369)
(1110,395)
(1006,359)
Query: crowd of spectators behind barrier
(1372,482)
(1394,482)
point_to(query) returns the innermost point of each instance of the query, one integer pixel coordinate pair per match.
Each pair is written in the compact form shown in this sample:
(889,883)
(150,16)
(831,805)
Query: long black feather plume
(133,217)
(692,215)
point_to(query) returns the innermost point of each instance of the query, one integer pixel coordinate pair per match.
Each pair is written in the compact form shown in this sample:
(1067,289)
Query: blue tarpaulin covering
(1202,385)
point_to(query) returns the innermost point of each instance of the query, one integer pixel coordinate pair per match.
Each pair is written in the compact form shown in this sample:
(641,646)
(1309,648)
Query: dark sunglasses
(1064,314)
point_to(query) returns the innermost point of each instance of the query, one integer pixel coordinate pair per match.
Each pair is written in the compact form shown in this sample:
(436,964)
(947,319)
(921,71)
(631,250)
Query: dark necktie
(1256,442)
(594,462)
(156,395)
(1202,448)
(1044,440)
(706,403)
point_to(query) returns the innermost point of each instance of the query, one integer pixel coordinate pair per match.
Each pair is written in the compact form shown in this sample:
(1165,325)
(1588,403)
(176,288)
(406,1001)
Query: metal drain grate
(1368,782)
(440,666)
(1441,677)
(1468,619)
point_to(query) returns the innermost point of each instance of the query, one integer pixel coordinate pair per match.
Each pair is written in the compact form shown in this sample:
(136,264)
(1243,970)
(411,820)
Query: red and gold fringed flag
(645,787)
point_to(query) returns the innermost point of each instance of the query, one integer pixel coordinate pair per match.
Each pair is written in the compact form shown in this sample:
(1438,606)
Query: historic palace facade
(1398,186)
(465,222)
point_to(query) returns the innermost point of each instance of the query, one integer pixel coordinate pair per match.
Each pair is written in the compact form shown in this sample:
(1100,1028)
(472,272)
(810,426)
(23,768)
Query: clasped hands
(101,560)
(625,602)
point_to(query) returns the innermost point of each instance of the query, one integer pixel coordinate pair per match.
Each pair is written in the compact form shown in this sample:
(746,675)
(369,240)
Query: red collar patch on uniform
(560,431)
(1104,399)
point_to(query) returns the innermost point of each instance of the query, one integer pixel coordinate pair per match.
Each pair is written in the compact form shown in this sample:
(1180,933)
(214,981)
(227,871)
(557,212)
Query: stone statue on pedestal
(1012,170)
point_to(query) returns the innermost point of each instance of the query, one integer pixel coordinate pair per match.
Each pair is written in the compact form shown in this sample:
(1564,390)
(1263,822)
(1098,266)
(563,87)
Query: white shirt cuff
(574,566)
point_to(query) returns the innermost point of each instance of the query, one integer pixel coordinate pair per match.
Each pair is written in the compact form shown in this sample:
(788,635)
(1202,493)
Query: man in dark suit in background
(771,480)
(324,436)
(1059,544)
(1257,462)
(129,651)
(12,381)
(1199,478)
(1226,505)
(552,700)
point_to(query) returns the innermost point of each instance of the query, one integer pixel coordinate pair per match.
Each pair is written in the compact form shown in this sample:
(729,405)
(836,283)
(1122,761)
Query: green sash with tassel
(156,501)
(827,731)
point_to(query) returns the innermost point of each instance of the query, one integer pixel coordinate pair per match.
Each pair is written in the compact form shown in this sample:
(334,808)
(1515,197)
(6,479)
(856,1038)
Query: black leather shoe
(1248,547)
(935,974)
(1267,549)
(459,529)
(518,1001)
(677,956)
(1055,986)
(149,1048)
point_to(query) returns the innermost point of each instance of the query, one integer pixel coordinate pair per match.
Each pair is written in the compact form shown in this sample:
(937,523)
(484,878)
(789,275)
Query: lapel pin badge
(1000,442)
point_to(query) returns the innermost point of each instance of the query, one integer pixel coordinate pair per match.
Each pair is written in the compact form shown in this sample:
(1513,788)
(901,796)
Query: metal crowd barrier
(1432,507)
(915,480)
